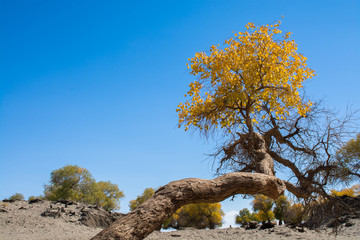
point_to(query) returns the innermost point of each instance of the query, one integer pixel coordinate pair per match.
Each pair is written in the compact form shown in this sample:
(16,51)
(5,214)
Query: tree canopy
(250,92)
(77,184)
(256,68)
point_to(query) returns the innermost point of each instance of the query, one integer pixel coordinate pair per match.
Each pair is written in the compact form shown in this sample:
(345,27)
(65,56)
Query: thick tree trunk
(264,162)
(151,214)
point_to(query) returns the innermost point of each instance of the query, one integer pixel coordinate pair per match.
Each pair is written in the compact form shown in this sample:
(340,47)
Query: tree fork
(151,214)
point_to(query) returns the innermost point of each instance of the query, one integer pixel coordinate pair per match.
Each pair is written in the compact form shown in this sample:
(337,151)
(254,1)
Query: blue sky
(96,83)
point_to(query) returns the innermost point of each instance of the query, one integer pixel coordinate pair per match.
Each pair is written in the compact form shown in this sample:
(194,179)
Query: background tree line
(74,183)
(266,210)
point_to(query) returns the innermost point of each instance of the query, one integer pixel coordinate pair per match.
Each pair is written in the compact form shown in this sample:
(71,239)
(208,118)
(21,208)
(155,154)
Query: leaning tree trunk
(151,214)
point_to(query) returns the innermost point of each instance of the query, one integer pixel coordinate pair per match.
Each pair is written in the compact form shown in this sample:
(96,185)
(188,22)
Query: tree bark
(151,214)
(264,162)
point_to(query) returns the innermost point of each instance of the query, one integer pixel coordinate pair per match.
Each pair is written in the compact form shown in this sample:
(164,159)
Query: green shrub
(17,196)
(36,197)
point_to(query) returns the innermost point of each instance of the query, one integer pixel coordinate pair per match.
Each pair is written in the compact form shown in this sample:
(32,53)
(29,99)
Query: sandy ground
(279,232)
(24,221)
(20,220)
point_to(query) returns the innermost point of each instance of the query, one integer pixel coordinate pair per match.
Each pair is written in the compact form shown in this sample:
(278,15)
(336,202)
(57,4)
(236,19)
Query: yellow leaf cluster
(256,68)
(351,192)
(197,215)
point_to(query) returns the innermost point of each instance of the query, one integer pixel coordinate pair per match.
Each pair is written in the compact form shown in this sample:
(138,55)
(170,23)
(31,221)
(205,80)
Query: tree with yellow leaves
(248,92)
(262,205)
(256,76)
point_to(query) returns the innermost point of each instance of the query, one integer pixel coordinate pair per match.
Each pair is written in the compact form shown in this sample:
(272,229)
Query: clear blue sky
(96,83)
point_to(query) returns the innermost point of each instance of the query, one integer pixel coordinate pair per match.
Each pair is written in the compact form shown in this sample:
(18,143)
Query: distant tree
(77,184)
(245,216)
(71,183)
(295,214)
(262,205)
(108,195)
(17,196)
(281,206)
(197,215)
(349,159)
(148,193)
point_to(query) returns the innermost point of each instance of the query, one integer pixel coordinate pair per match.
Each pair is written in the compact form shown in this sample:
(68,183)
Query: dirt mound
(88,215)
(69,211)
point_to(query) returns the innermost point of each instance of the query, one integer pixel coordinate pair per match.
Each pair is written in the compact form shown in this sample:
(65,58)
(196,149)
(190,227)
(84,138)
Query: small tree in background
(107,195)
(295,214)
(349,159)
(77,184)
(17,196)
(71,183)
(281,206)
(262,205)
(245,217)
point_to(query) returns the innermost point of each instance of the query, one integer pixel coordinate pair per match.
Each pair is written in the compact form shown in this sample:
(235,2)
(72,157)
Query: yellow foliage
(265,216)
(197,215)
(263,205)
(351,192)
(255,68)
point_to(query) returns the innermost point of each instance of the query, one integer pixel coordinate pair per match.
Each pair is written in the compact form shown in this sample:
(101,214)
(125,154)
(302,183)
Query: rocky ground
(68,220)
(51,220)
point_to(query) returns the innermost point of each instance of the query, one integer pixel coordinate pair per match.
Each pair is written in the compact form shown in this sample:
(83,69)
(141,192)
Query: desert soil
(21,220)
